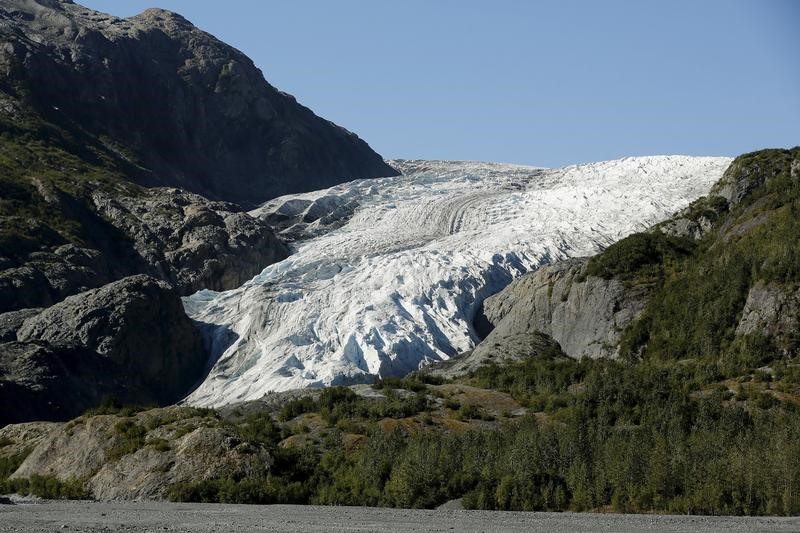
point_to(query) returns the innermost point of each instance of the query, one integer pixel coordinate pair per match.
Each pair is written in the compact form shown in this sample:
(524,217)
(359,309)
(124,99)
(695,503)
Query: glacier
(387,274)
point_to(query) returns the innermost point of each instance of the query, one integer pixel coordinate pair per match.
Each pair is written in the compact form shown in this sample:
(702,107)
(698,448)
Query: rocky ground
(107,516)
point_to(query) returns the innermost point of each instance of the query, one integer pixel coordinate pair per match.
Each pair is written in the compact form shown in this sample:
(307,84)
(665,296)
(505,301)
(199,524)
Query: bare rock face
(773,310)
(129,339)
(22,438)
(508,348)
(188,110)
(171,445)
(686,227)
(585,315)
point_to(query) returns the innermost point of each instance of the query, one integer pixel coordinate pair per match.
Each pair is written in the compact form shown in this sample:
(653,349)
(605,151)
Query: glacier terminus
(387,274)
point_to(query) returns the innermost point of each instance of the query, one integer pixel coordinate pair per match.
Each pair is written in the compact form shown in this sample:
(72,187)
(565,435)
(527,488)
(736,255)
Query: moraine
(387,274)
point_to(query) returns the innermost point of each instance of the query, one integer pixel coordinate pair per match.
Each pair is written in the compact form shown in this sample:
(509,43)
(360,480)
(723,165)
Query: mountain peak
(162,17)
(187,109)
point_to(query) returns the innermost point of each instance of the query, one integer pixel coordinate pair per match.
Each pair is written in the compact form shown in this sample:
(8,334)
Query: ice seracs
(387,274)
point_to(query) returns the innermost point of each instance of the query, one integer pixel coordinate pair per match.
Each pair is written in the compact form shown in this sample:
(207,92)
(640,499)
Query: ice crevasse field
(386,274)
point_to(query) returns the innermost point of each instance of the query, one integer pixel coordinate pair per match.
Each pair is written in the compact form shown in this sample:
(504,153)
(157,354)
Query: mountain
(388,274)
(124,147)
(659,375)
(99,114)
(172,103)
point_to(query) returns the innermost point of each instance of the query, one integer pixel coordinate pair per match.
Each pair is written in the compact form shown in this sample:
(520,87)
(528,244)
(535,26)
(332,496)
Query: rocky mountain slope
(181,107)
(124,145)
(92,107)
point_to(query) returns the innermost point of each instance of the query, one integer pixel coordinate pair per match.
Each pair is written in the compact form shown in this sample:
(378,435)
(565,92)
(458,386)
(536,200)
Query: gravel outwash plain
(152,517)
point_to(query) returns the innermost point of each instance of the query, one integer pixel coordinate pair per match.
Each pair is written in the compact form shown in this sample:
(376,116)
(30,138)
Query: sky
(547,83)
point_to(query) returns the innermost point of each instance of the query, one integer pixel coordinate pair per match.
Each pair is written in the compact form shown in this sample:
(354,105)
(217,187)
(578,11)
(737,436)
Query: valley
(210,296)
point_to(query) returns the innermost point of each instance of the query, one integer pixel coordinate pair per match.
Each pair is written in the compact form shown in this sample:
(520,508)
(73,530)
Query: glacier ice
(387,273)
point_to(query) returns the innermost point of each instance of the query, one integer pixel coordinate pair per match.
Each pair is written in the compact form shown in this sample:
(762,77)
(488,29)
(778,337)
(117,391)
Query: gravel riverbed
(159,516)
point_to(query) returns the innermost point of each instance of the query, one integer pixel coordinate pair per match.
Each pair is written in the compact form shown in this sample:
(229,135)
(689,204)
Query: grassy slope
(39,160)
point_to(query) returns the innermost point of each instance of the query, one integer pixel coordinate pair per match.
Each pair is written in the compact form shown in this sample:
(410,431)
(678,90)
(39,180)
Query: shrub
(47,487)
(130,437)
(112,406)
(10,463)
(641,255)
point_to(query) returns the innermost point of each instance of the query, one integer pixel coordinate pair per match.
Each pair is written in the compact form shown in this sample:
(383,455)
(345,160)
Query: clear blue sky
(546,83)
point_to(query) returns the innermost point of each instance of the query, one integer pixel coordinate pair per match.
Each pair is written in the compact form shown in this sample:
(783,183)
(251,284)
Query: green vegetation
(130,437)
(256,490)
(337,403)
(642,256)
(692,420)
(10,463)
(42,486)
(697,306)
(47,487)
(46,176)
(112,406)
(630,436)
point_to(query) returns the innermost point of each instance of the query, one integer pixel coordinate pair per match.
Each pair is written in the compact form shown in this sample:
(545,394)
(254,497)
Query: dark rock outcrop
(11,322)
(181,107)
(190,241)
(129,339)
(180,237)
